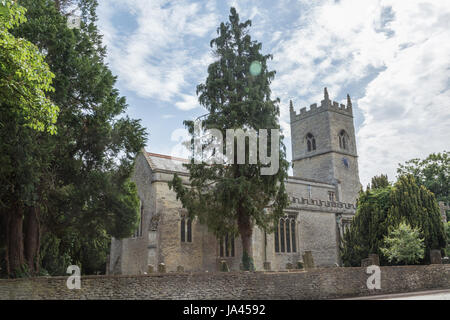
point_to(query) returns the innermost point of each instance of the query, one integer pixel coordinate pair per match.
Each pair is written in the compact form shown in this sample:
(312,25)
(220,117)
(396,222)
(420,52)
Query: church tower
(324,146)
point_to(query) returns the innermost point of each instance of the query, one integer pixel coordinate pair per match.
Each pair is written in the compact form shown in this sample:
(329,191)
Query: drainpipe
(265,246)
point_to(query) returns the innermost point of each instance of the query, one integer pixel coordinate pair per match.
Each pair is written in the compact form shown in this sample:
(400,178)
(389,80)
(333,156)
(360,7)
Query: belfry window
(310,142)
(343,140)
(186,229)
(226,248)
(331,196)
(285,235)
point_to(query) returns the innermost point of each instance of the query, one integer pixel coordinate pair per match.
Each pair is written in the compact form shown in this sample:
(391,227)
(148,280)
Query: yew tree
(385,208)
(233,198)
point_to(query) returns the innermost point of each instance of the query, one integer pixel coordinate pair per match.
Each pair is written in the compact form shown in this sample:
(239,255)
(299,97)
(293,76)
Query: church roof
(174,164)
(166,163)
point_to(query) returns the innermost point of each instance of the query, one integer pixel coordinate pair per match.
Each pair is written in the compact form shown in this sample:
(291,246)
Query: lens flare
(255,68)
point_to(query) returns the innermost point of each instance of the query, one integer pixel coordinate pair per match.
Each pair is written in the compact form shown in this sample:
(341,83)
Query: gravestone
(107,266)
(180,269)
(308,260)
(224,266)
(150,268)
(435,257)
(289,266)
(372,260)
(162,268)
(375,259)
(366,262)
(267,266)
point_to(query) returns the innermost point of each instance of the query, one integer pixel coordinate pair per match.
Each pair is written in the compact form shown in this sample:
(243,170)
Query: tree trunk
(4,235)
(14,241)
(58,5)
(246,230)
(32,239)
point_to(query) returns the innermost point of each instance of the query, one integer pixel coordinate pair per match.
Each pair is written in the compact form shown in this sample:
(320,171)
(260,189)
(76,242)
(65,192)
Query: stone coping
(215,273)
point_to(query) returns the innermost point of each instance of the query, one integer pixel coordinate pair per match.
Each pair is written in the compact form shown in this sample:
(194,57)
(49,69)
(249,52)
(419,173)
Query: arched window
(343,140)
(226,248)
(285,235)
(186,229)
(310,142)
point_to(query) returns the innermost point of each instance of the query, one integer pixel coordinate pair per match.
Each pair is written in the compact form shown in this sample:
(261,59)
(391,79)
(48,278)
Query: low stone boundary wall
(323,283)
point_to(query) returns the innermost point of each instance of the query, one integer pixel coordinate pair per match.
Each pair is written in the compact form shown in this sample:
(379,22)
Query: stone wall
(314,284)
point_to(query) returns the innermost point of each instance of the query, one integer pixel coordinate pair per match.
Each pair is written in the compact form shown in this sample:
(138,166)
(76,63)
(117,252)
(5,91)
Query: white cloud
(189,102)
(158,59)
(394,54)
(406,104)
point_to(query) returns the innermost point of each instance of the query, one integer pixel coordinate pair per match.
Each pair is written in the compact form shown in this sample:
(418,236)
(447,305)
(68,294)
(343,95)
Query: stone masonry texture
(321,283)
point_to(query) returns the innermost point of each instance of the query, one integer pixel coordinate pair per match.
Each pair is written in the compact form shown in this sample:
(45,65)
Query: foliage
(379,182)
(232,198)
(24,75)
(447,232)
(432,172)
(368,227)
(381,209)
(77,180)
(403,245)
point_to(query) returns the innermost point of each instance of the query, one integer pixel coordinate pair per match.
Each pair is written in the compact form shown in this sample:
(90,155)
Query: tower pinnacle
(349,101)
(325,93)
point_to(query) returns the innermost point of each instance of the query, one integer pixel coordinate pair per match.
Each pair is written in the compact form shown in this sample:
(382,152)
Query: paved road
(422,295)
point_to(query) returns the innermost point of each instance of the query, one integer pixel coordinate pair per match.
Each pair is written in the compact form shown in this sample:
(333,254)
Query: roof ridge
(166,157)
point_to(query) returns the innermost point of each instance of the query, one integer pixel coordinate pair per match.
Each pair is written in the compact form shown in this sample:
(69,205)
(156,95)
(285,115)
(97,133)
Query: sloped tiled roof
(167,163)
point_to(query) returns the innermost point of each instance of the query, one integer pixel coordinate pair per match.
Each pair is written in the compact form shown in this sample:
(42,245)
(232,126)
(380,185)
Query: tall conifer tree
(232,198)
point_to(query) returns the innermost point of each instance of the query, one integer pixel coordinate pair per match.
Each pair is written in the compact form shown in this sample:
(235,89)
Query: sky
(392,57)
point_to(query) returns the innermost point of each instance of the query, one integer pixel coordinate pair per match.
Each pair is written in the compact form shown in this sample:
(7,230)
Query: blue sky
(392,57)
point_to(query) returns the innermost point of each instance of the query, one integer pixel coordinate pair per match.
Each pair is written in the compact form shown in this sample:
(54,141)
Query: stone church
(322,193)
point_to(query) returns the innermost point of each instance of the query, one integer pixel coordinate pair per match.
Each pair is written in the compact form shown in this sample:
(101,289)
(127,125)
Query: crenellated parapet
(324,205)
(325,105)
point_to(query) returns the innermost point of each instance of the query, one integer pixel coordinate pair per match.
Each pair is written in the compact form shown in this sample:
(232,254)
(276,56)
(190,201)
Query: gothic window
(310,142)
(186,229)
(138,232)
(343,140)
(226,248)
(285,235)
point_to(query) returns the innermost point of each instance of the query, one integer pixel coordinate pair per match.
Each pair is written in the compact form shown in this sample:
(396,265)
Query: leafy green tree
(79,191)
(379,182)
(25,113)
(403,245)
(25,77)
(447,232)
(419,207)
(232,198)
(381,209)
